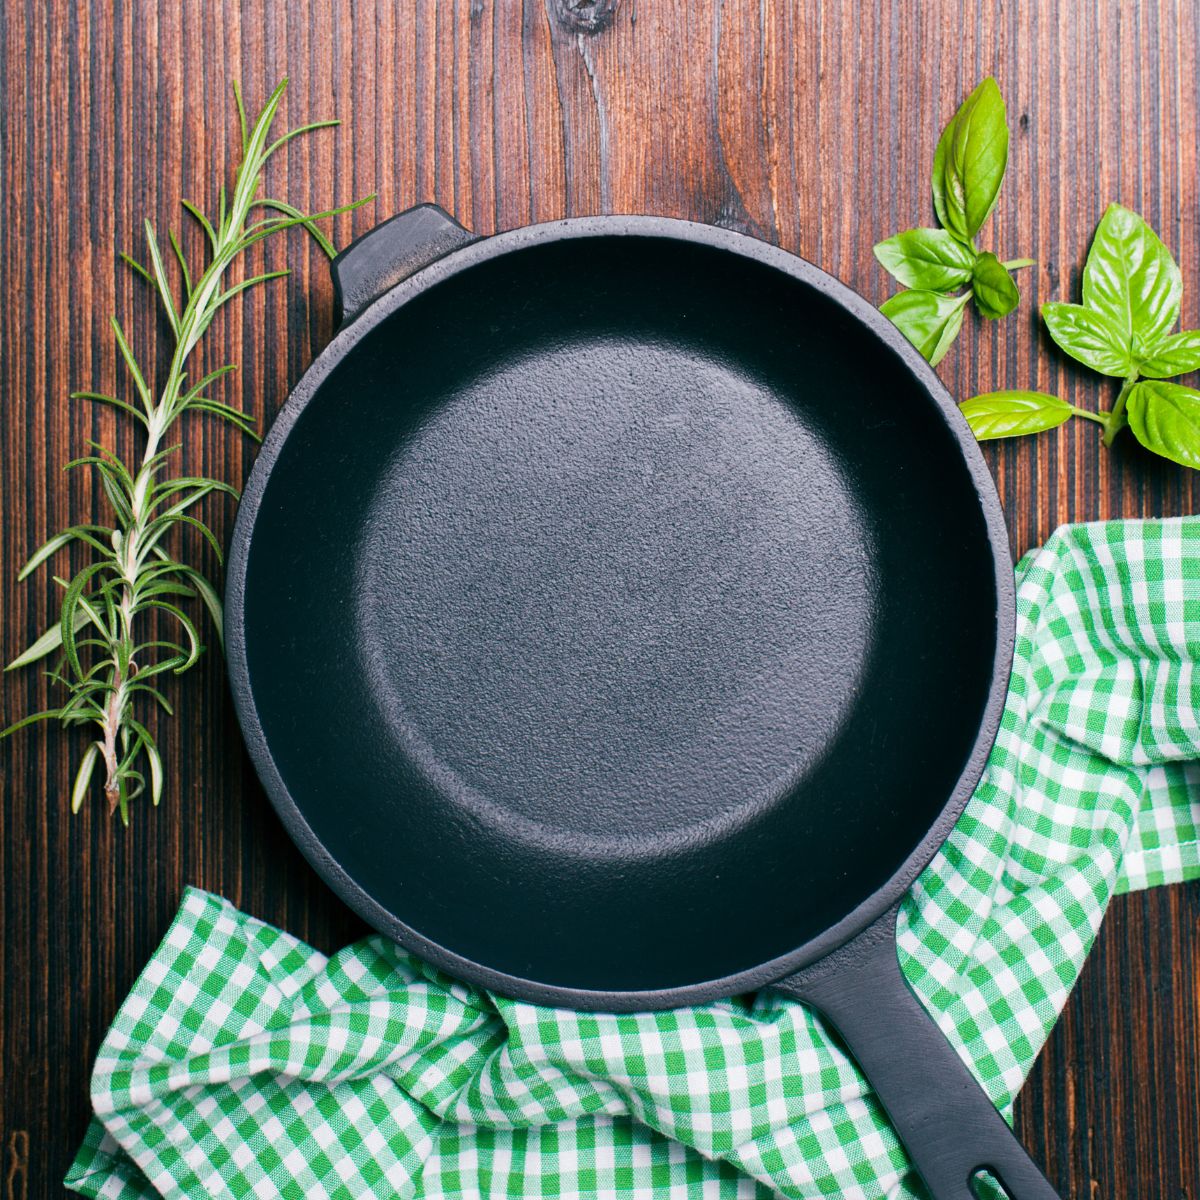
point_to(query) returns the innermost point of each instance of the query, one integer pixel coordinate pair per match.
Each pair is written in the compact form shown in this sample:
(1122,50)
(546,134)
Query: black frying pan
(619,617)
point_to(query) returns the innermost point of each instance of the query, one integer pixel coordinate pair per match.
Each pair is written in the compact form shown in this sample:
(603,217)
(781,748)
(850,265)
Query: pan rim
(330,870)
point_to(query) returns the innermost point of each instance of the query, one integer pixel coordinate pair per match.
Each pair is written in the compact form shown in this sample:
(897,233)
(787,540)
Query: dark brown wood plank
(808,123)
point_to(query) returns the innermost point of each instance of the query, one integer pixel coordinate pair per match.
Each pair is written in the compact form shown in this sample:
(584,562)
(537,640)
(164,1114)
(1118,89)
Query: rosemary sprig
(114,608)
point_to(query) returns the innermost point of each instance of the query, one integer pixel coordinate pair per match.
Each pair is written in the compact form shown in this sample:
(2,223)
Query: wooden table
(809,124)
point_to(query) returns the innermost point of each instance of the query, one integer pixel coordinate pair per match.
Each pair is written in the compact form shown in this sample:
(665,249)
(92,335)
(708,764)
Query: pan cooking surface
(619,614)
(591,593)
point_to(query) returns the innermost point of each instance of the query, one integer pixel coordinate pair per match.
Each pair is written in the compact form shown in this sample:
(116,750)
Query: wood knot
(584,16)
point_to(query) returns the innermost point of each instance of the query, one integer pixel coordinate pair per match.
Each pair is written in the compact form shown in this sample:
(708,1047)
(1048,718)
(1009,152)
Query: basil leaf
(926,259)
(1131,278)
(930,321)
(970,161)
(1176,354)
(1088,336)
(1165,418)
(995,293)
(1010,414)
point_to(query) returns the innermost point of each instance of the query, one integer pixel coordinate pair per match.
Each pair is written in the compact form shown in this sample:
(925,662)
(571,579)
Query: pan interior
(594,622)
(620,613)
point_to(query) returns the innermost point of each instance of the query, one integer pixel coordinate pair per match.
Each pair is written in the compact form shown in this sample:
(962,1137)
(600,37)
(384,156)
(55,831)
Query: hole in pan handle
(948,1125)
(392,251)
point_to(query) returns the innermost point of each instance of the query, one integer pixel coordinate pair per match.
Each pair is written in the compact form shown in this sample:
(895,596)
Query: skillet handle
(391,252)
(948,1125)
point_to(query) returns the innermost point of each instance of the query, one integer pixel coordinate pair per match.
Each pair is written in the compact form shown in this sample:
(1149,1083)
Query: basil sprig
(1132,291)
(936,264)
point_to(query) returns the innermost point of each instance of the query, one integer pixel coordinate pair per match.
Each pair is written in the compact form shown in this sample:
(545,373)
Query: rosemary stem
(123,644)
(113,711)
(162,414)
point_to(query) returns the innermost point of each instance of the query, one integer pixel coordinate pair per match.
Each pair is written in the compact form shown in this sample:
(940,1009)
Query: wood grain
(810,124)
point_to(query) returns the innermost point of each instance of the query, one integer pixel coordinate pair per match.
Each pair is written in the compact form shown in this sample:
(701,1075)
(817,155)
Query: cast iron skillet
(619,616)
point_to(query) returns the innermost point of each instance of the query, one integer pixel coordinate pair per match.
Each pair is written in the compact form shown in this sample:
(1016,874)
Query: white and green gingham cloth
(244,1063)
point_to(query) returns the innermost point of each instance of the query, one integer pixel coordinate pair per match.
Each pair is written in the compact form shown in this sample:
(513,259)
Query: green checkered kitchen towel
(244,1063)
